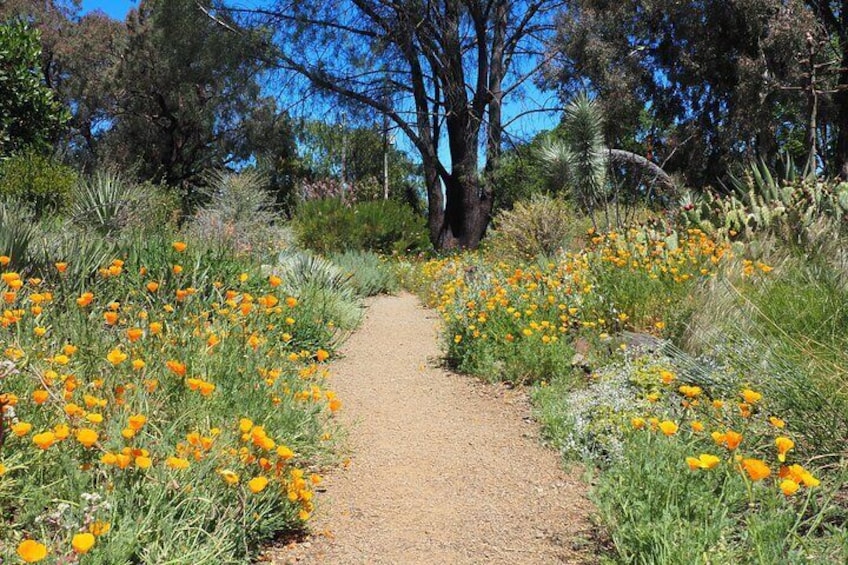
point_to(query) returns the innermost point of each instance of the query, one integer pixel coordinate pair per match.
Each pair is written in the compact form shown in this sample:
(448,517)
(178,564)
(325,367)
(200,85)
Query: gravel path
(442,469)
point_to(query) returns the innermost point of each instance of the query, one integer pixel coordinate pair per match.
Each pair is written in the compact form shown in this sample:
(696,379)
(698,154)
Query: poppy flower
(116,357)
(44,440)
(257,484)
(82,543)
(32,551)
(756,469)
(750,396)
(668,427)
(87,437)
(789,487)
(784,444)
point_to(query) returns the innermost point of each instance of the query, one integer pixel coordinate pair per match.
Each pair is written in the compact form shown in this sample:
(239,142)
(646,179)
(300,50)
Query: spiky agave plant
(18,233)
(106,202)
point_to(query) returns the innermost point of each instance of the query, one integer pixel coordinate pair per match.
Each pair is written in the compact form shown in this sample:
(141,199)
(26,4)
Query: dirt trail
(442,469)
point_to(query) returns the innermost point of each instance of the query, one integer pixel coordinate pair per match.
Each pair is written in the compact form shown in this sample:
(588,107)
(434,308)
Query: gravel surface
(442,468)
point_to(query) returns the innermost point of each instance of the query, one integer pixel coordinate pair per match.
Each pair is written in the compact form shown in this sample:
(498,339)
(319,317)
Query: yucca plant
(581,164)
(106,203)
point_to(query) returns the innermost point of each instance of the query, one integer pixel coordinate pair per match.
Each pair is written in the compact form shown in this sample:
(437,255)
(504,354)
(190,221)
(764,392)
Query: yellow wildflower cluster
(722,415)
(538,303)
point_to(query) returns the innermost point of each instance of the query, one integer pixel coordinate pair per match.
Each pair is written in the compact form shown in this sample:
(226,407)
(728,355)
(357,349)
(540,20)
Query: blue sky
(523,129)
(115,8)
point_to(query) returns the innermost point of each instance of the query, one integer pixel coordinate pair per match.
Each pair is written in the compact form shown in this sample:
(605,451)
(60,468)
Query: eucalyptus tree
(440,70)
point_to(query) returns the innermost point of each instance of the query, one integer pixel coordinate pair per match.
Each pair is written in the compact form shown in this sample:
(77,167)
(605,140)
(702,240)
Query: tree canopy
(439,70)
(30,115)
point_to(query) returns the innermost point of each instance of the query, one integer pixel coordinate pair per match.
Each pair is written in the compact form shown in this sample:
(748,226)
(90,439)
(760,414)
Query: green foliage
(383,226)
(187,90)
(37,180)
(764,202)
(325,145)
(520,175)
(369,273)
(784,331)
(107,203)
(160,513)
(18,235)
(676,97)
(331,296)
(29,114)
(580,163)
(540,226)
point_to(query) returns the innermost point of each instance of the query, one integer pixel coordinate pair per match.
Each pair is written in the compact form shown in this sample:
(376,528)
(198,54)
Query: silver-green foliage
(239,213)
(322,285)
(536,227)
(370,274)
(18,233)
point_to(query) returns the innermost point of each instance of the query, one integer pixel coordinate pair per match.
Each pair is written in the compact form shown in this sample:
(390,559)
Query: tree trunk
(841,99)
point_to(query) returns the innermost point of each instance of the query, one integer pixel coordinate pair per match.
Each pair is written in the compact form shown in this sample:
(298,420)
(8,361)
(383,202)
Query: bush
(369,273)
(536,227)
(239,214)
(385,226)
(37,180)
(328,290)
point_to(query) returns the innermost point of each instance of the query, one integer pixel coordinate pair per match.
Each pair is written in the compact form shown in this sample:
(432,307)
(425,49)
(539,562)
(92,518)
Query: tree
(832,17)
(356,154)
(186,87)
(79,58)
(30,116)
(439,70)
(269,138)
(701,83)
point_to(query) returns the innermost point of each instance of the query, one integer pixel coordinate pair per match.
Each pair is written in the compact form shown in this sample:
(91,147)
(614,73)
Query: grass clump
(330,292)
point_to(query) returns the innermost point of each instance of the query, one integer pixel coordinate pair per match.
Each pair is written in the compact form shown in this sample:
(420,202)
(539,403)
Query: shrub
(536,227)
(239,214)
(328,290)
(385,226)
(369,273)
(37,180)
